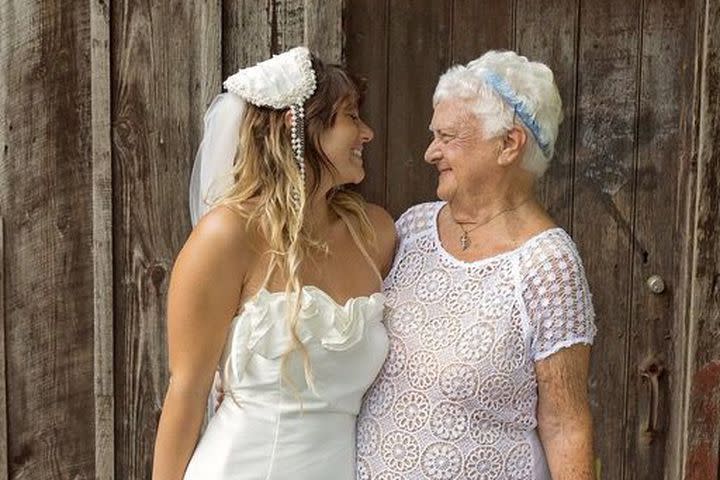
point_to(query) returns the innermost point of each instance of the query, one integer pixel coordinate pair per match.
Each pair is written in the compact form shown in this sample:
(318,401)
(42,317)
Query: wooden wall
(101,107)
(47,208)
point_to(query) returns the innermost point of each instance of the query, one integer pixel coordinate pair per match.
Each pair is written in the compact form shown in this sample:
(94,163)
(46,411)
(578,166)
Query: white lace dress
(457,396)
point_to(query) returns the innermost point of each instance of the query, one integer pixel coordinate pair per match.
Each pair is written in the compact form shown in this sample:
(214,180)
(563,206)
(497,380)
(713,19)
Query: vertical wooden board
(603,199)
(289,24)
(102,239)
(703,428)
(479,26)
(324,28)
(366,52)
(5,57)
(419,50)
(45,184)
(3,377)
(163,76)
(205,64)
(547,32)
(247,33)
(665,103)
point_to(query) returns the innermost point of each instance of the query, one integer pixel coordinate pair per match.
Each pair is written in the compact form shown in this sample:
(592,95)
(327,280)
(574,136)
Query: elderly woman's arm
(564,420)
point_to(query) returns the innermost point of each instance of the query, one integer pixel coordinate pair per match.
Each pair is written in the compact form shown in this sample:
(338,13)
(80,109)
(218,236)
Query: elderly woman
(490,317)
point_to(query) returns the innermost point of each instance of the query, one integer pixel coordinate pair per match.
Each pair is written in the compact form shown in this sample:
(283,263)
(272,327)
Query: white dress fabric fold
(272,424)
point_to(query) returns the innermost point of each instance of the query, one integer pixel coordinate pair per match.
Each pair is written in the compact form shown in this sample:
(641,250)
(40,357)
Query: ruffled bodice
(273,423)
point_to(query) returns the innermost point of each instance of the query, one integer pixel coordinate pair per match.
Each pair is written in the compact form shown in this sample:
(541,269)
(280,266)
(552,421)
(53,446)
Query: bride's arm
(205,287)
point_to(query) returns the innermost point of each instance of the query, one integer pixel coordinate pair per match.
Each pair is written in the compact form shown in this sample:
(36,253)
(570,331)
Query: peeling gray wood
(3,376)
(102,239)
(702,457)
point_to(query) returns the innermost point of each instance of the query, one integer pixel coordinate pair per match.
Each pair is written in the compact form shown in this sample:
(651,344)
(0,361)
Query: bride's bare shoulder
(221,239)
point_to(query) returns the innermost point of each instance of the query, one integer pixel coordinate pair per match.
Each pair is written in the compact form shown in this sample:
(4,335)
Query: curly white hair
(532,89)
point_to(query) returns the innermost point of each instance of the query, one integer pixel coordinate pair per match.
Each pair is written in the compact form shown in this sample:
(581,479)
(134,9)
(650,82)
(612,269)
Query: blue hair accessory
(506,92)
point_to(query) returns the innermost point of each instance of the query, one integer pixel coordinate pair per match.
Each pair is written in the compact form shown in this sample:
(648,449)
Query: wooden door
(618,183)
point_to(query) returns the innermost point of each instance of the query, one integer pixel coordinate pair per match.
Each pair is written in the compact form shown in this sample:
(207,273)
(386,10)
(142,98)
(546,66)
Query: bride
(277,286)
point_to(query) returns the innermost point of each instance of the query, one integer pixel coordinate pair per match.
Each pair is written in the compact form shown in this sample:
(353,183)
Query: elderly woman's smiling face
(463,157)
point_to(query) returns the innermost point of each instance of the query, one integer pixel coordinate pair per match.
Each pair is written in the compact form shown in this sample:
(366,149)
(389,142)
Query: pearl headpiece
(284,81)
(280,82)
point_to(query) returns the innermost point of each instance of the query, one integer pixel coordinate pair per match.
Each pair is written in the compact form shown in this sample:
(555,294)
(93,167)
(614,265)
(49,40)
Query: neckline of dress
(493,258)
(313,288)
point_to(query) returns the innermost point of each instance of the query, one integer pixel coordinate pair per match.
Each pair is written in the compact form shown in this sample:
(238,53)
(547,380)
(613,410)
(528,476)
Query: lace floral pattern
(456,398)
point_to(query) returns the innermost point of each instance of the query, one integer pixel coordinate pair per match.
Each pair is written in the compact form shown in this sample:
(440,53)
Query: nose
(366,133)
(433,153)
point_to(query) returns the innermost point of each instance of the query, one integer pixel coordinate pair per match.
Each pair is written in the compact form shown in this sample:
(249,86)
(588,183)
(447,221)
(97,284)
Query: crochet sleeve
(557,299)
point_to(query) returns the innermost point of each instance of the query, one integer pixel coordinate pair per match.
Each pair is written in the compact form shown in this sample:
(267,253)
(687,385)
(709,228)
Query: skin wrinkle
(563,410)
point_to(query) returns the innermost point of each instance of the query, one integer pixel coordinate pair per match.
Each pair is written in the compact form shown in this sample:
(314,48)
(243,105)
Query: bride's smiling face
(343,144)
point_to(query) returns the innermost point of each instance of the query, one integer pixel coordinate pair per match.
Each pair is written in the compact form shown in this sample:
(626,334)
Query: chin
(356,177)
(444,191)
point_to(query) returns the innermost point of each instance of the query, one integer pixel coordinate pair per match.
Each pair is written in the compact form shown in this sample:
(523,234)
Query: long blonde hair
(266,176)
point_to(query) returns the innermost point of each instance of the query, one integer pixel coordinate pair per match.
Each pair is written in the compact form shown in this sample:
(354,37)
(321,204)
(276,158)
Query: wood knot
(157,274)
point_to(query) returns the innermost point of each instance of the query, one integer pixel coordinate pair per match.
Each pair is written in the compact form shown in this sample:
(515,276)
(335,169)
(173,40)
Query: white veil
(211,173)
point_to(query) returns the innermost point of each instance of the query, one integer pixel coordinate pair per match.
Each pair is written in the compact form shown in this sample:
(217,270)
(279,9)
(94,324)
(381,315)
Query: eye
(355,116)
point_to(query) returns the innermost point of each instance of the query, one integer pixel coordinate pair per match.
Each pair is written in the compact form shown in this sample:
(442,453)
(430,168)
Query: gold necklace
(465,239)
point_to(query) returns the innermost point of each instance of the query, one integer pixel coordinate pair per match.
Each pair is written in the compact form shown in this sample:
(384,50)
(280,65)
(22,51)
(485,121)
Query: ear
(287,118)
(513,145)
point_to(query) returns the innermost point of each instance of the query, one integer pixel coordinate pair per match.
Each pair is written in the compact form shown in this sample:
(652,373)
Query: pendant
(464,241)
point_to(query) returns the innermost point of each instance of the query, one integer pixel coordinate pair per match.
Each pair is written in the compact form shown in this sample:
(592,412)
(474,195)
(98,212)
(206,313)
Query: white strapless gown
(266,429)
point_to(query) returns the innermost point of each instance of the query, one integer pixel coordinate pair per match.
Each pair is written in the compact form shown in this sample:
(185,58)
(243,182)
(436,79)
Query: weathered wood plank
(479,26)
(5,58)
(703,427)
(3,350)
(247,33)
(411,84)
(289,24)
(602,215)
(324,28)
(45,184)
(102,239)
(665,72)
(165,60)
(547,31)
(206,60)
(366,51)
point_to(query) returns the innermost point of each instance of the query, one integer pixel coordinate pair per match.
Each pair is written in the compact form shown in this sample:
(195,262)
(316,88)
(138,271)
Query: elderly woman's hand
(563,413)
(218,393)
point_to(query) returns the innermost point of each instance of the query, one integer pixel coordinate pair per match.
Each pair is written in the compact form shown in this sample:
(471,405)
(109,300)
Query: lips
(357,152)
